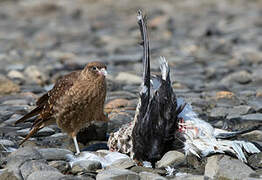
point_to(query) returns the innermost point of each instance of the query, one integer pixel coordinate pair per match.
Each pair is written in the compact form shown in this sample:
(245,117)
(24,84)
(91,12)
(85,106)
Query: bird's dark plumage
(75,101)
(157,120)
(164,122)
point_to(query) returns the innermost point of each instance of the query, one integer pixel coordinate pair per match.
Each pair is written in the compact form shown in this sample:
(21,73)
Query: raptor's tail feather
(36,127)
(34,112)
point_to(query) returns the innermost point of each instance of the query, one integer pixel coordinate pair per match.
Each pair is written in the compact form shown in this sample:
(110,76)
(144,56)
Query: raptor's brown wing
(46,103)
(49,101)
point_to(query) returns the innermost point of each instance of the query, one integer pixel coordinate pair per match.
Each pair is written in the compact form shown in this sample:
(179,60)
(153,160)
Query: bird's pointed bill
(103,72)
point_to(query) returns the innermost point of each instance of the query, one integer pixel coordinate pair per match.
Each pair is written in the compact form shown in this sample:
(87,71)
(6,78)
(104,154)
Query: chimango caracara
(76,100)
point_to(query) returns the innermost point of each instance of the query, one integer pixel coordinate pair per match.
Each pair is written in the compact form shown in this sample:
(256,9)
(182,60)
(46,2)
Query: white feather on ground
(201,137)
(105,161)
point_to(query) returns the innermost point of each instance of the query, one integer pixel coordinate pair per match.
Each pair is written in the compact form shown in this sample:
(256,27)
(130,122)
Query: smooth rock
(46,131)
(139,169)
(122,164)
(253,56)
(115,104)
(252,117)
(256,104)
(225,167)
(171,158)
(7,86)
(23,132)
(8,175)
(59,136)
(35,75)
(54,153)
(13,74)
(4,115)
(237,111)
(196,163)
(6,142)
(114,174)
(241,77)
(28,153)
(247,93)
(18,157)
(219,46)
(44,175)
(258,174)
(150,176)
(259,93)
(62,166)
(241,110)
(84,177)
(225,95)
(15,67)
(85,166)
(218,113)
(35,165)
(32,88)
(226,99)
(16,102)
(189,177)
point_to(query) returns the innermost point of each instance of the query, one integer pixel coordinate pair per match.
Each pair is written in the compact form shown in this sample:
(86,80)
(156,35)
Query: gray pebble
(122,164)
(8,175)
(241,77)
(35,75)
(17,158)
(150,176)
(4,115)
(252,117)
(44,175)
(62,166)
(54,153)
(46,131)
(114,174)
(85,166)
(16,102)
(6,142)
(222,166)
(218,113)
(35,165)
(171,158)
(13,74)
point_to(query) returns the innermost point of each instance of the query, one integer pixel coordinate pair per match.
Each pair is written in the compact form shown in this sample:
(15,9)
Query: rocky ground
(213,48)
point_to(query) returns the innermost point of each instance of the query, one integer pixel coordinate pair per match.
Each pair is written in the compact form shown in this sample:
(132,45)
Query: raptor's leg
(76,146)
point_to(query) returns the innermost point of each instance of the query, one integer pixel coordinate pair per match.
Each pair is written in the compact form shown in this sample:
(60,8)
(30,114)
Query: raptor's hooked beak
(102,72)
